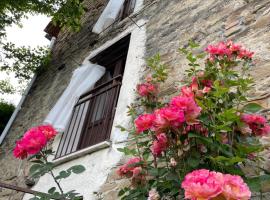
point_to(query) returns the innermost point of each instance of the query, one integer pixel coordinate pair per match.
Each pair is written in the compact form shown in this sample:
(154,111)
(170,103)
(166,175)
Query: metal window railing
(92,118)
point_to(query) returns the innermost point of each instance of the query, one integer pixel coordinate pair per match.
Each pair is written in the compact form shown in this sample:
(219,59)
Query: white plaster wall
(99,163)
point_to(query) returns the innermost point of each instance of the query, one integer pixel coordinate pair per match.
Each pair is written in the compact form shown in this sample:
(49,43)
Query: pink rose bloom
(153,195)
(127,169)
(235,188)
(257,123)
(207,83)
(187,92)
(144,122)
(48,131)
(160,144)
(168,116)
(136,172)
(34,140)
(146,89)
(149,78)
(202,184)
(206,90)
(245,54)
(265,130)
(19,151)
(194,85)
(200,74)
(253,118)
(235,48)
(188,105)
(220,49)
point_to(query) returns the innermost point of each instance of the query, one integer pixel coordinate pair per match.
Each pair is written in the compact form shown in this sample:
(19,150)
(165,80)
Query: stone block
(232,31)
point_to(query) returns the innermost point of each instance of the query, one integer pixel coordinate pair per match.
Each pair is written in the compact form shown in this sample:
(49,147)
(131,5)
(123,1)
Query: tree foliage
(6,110)
(24,61)
(6,87)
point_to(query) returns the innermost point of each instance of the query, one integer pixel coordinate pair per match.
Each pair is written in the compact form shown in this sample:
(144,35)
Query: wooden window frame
(94,131)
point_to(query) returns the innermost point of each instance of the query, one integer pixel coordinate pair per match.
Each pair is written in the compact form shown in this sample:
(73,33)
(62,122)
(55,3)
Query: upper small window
(116,10)
(127,9)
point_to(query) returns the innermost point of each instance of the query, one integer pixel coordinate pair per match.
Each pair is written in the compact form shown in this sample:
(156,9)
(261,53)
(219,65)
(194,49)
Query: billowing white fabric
(108,15)
(82,80)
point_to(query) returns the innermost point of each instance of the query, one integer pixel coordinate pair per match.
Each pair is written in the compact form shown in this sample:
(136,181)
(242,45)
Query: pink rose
(168,116)
(202,184)
(131,168)
(188,105)
(146,89)
(235,188)
(144,122)
(48,131)
(20,151)
(160,144)
(34,140)
(257,123)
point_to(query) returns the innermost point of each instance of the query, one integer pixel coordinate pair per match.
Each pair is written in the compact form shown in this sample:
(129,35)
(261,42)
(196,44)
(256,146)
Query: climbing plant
(197,144)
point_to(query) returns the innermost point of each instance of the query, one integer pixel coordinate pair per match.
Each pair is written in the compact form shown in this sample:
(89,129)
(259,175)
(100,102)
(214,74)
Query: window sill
(81,153)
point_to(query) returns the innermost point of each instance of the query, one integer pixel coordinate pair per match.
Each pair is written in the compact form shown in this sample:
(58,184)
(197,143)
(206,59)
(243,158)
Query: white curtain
(82,80)
(108,15)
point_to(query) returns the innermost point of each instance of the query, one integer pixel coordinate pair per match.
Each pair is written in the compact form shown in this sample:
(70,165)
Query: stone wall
(172,23)
(169,24)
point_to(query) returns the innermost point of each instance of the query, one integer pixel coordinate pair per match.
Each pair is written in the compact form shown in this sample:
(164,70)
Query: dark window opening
(93,115)
(127,9)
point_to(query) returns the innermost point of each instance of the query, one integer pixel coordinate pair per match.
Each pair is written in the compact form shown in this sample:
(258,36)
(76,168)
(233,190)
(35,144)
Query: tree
(6,110)
(24,61)
(6,87)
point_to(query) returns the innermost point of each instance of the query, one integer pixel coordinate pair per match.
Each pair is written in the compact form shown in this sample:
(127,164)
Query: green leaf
(77,169)
(35,167)
(52,190)
(201,138)
(227,161)
(192,44)
(63,174)
(121,128)
(193,162)
(252,107)
(254,184)
(153,172)
(127,151)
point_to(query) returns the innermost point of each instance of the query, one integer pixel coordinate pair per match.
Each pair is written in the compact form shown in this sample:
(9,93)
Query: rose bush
(207,126)
(34,145)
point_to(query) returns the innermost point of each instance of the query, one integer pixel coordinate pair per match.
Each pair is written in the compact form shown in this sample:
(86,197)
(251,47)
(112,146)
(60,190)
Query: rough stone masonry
(170,24)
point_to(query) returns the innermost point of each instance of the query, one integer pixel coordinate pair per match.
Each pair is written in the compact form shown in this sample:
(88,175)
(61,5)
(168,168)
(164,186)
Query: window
(127,9)
(115,11)
(93,115)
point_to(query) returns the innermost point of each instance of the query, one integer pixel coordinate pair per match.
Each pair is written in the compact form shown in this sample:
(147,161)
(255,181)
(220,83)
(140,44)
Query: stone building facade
(155,26)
